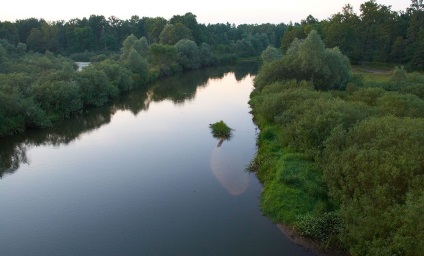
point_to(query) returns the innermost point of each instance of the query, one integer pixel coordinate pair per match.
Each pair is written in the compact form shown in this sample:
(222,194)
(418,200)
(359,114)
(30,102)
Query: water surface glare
(141,176)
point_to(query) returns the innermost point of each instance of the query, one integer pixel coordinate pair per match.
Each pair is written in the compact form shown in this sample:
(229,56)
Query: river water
(141,176)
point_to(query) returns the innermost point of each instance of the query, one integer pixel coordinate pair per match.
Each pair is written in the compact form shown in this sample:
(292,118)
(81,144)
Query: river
(141,176)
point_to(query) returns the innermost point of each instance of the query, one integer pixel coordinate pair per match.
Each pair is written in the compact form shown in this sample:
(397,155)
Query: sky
(215,11)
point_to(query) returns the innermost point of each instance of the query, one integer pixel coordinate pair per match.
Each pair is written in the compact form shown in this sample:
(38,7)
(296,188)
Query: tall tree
(9,32)
(153,28)
(189,20)
(342,30)
(171,34)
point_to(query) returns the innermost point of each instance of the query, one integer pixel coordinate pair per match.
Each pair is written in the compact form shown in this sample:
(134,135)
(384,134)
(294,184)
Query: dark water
(142,176)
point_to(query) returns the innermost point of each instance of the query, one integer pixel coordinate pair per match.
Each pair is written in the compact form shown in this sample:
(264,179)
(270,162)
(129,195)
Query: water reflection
(224,165)
(178,89)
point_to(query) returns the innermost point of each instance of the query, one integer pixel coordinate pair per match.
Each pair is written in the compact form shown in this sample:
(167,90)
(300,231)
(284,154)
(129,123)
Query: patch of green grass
(293,186)
(296,190)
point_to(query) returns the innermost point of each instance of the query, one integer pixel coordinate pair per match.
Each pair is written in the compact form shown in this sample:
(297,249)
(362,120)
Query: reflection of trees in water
(12,157)
(13,149)
(178,88)
(241,71)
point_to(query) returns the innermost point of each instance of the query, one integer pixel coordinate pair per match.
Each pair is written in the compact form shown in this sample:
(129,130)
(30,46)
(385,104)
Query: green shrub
(220,130)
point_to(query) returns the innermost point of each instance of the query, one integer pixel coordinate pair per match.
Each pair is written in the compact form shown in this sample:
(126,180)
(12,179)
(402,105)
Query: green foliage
(188,52)
(324,228)
(206,55)
(85,56)
(164,58)
(171,34)
(373,170)
(119,76)
(95,86)
(343,167)
(59,99)
(308,60)
(399,75)
(271,54)
(11,117)
(220,130)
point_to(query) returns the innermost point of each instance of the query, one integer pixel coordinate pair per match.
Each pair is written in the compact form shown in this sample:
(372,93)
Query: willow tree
(310,60)
(189,56)
(270,54)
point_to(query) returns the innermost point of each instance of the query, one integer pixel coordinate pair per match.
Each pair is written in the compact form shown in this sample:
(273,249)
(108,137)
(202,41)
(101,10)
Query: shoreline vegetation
(221,131)
(39,89)
(340,154)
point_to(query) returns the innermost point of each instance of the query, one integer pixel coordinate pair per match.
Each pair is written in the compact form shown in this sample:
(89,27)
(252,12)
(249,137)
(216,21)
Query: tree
(188,53)
(142,47)
(98,25)
(417,61)
(342,30)
(189,21)
(9,32)
(206,55)
(377,31)
(398,52)
(270,54)
(119,76)
(311,54)
(171,34)
(24,27)
(95,87)
(138,66)
(127,46)
(35,40)
(292,33)
(59,99)
(153,28)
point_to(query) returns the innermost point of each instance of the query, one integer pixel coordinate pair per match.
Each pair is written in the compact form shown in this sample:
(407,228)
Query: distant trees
(376,34)
(98,34)
(309,59)
(171,34)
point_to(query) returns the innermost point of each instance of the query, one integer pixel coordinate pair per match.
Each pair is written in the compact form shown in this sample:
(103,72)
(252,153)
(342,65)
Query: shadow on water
(178,89)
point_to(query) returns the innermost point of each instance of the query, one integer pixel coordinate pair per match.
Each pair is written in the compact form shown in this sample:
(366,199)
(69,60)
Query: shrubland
(340,155)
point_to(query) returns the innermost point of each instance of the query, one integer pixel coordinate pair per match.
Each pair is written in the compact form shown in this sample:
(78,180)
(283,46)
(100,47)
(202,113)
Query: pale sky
(215,11)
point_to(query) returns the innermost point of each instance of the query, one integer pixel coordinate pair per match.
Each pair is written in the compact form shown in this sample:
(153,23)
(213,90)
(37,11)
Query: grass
(293,186)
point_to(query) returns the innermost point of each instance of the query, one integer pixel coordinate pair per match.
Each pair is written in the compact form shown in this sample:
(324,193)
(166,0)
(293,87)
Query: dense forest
(376,34)
(98,34)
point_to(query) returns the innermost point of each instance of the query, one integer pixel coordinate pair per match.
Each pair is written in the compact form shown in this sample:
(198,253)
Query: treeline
(37,89)
(376,34)
(99,34)
(341,156)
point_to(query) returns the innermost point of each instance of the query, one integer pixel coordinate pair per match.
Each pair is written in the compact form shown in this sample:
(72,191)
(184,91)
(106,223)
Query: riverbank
(308,243)
(328,164)
(38,90)
(293,194)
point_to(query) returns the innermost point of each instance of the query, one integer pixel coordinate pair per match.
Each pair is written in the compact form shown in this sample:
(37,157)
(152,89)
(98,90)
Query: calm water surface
(141,176)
